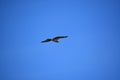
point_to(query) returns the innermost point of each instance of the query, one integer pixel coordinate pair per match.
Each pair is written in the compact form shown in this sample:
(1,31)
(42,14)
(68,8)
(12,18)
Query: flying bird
(55,39)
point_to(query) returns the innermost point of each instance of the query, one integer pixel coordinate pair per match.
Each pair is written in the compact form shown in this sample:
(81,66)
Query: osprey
(55,39)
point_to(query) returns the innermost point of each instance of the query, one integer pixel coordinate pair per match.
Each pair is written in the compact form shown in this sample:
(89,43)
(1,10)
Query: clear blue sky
(91,52)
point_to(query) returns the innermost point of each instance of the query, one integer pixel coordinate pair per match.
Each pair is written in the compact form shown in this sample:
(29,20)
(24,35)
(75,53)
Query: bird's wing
(55,39)
(58,37)
(47,40)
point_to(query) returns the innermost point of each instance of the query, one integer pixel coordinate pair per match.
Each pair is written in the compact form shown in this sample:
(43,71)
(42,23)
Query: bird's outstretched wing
(47,40)
(58,37)
(55,39)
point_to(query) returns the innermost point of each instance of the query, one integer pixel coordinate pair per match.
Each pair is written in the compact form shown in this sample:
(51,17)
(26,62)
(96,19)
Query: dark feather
(47,40)
(58,37)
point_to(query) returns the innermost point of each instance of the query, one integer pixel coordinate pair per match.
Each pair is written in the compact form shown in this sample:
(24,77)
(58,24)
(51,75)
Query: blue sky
(91,52)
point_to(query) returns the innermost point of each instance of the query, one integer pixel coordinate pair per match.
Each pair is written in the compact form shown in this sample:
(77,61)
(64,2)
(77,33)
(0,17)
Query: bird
(55,39)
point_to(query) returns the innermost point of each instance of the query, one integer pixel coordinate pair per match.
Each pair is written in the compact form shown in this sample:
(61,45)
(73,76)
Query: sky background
(91,52)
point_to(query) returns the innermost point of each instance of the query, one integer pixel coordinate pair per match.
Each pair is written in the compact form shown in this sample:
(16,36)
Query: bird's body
(55,39)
